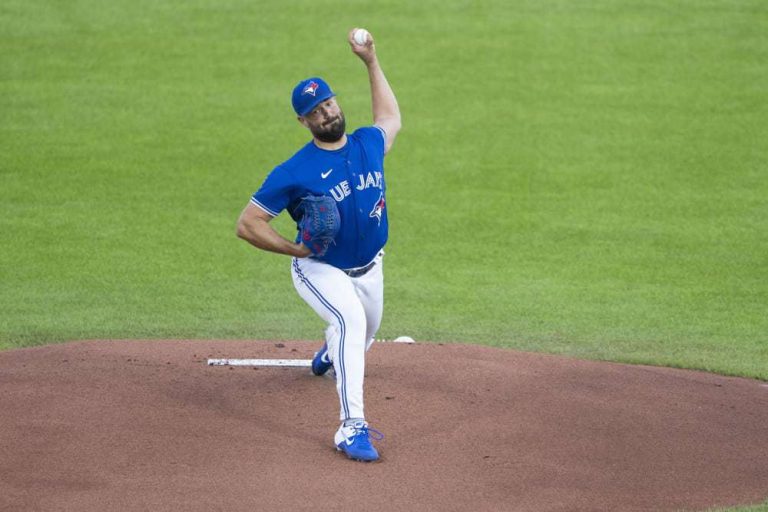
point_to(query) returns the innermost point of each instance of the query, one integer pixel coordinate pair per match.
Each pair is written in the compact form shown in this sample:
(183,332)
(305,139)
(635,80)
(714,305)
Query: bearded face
(332,130)
(326,121)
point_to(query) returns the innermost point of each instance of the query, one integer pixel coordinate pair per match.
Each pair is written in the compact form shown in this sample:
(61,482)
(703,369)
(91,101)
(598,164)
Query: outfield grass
(583,178)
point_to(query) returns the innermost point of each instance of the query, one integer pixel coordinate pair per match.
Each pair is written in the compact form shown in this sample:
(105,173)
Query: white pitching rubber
(301,363)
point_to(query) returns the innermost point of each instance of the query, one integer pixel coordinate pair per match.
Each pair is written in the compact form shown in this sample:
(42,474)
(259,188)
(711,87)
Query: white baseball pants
(352,307)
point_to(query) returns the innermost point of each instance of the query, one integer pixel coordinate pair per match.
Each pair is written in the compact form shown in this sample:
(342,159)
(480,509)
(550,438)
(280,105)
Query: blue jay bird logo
(311,88)
(378,208)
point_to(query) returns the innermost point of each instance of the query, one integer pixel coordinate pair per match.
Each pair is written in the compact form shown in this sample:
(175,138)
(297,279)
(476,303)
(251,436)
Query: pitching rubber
(261,362)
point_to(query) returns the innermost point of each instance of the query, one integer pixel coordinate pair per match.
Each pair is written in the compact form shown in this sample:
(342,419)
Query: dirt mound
(147,425)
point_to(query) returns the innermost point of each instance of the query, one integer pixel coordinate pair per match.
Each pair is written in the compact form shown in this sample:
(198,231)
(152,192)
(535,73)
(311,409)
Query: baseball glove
(319,222)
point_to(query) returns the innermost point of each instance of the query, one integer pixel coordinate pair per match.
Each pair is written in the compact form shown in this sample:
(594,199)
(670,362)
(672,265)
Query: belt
(360,271)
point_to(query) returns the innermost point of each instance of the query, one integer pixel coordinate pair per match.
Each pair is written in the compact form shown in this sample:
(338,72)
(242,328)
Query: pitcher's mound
(147,425)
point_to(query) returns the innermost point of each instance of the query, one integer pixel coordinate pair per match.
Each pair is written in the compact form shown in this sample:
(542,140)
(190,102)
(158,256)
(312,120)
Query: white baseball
(360,36)
(404,339)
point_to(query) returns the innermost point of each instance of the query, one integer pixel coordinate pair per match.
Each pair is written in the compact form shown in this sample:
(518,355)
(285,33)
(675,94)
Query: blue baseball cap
(310,93)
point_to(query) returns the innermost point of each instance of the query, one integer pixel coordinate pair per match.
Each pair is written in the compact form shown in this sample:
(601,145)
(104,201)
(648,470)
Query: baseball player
(334,189)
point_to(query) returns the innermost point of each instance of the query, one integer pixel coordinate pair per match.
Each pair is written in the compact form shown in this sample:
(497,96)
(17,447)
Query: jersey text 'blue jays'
(353,176)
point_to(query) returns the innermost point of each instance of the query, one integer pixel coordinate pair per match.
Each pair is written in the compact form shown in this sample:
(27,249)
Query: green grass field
(583,178)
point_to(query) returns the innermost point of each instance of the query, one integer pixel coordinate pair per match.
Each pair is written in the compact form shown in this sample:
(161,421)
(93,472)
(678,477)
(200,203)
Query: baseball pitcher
(334,189)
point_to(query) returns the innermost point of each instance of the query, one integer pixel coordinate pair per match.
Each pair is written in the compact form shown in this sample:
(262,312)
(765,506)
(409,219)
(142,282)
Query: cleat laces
(365,432)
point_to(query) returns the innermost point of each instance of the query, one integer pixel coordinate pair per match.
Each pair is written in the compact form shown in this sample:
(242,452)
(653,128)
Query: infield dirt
(147,425)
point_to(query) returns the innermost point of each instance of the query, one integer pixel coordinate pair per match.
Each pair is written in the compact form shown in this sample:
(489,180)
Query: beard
(330,131)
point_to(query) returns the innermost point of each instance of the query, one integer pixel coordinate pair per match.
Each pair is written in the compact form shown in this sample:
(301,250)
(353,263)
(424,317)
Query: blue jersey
(353,176)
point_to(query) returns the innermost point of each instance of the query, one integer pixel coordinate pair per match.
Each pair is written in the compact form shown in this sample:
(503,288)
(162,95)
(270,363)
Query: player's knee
(347,327)
(355,327)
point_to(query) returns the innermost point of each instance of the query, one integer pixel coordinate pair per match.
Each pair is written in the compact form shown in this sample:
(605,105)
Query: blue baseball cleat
(321,363)
(355,441)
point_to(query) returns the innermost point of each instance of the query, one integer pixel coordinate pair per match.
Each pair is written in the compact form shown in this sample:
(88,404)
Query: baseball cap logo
(308,93)
(311,88)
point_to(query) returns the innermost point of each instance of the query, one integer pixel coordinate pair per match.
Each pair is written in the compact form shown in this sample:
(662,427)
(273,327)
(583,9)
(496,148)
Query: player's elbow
(242,229)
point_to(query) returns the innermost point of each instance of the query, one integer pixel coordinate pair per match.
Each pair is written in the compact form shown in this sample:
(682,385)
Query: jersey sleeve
(373,137)
(275,193)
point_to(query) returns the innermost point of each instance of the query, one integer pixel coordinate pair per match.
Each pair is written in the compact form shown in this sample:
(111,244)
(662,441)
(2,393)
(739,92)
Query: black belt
(361,271)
